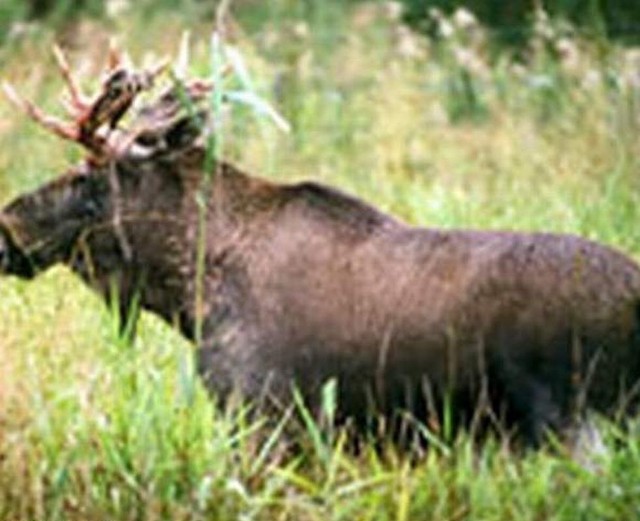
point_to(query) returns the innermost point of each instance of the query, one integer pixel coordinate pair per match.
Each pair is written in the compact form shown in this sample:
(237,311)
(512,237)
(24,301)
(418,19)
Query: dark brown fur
(303,283)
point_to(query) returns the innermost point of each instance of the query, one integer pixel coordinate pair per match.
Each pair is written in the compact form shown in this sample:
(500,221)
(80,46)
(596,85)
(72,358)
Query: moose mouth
(13,261)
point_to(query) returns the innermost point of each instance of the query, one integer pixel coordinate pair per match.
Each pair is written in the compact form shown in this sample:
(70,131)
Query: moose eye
(91,208)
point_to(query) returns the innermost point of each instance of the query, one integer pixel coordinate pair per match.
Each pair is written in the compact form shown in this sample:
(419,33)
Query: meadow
(449,131)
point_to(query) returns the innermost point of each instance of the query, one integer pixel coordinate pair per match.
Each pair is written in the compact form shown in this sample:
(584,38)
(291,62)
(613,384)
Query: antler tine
(115,56)
(78,100)
(154,71)
(55,125)
(182,62)
(199,87)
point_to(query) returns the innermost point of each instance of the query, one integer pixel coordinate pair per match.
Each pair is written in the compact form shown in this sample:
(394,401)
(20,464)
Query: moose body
(287,286)
(302,284)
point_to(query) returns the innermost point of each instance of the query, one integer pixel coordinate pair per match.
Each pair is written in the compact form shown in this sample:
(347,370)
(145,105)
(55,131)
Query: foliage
(510,20)
(10,13)
(16,15)
(452,131)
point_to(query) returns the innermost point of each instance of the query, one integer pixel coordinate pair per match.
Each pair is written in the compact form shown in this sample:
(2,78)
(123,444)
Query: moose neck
(239,194)
(235,199)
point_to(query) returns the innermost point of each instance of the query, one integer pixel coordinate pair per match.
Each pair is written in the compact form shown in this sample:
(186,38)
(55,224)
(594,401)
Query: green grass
(93,428)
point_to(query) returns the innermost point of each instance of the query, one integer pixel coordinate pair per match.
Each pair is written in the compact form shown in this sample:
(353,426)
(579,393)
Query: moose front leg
(238,364)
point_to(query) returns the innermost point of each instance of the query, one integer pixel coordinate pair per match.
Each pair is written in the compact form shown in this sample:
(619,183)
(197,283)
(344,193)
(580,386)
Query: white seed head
(464,19)
(393,11)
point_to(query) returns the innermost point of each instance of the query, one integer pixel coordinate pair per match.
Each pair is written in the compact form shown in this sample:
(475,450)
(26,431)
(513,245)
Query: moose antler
(173,120)
(93,122)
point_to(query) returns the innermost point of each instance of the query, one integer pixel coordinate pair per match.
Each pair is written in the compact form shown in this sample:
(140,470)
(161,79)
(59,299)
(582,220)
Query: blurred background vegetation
(511,21)
(520,115)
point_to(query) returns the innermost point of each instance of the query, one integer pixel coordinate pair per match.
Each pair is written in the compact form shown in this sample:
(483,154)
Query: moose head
(131,196)
(41,229)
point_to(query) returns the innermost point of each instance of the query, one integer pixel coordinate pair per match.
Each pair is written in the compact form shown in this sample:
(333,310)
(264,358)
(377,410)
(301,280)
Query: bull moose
(297,284)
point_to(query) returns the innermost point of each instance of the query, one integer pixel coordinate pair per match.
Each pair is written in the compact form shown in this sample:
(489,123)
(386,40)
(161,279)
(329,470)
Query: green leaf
(259,106)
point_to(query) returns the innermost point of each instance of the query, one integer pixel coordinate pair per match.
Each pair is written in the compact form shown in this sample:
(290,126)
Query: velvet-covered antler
(94,121)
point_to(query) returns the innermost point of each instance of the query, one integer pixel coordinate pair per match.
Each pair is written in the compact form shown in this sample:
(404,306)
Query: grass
(93,428)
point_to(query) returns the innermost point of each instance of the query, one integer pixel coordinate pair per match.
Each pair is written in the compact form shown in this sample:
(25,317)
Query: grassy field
(451,132)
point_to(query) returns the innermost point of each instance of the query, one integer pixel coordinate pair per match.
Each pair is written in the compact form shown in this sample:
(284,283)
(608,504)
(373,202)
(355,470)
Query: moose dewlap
(302,284)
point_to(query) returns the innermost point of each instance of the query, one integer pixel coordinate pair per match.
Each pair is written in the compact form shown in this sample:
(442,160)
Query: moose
(289,286)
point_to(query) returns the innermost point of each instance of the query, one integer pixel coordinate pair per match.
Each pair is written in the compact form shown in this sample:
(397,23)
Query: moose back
(302,283)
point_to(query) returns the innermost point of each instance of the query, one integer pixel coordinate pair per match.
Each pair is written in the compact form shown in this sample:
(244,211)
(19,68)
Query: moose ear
(12,260)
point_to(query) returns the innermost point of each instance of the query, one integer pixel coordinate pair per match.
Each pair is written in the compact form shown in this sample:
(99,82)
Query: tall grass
(449,132)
